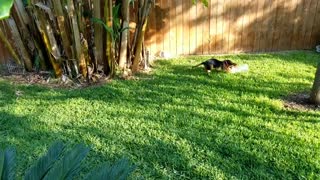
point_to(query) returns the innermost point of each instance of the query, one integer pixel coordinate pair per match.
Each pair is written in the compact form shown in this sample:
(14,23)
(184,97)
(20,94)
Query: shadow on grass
(175,124)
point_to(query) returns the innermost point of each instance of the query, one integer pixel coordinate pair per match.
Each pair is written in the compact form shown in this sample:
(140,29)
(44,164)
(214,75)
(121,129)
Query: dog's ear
(225,65)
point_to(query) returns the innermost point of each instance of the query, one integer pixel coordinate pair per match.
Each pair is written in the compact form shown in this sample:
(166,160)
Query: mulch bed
(300,101)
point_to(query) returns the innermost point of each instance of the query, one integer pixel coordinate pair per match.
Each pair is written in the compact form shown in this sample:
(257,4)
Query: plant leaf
(1,163)
(119,171)
(8,165)
(5,7)
(43,165)
(69,165)
(204,2)
(99,21)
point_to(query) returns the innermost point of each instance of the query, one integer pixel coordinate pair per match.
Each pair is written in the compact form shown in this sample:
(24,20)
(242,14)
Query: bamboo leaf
(69,165)
(43,165)
(8,172)
(5,7)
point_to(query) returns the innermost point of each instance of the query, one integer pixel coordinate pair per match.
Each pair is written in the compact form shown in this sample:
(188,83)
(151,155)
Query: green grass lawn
(178,123)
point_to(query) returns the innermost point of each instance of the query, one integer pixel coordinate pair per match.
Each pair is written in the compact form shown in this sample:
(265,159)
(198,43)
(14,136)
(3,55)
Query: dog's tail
(197,65)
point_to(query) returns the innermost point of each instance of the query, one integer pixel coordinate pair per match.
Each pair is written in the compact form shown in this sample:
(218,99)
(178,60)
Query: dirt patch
(45,79)
(300,101)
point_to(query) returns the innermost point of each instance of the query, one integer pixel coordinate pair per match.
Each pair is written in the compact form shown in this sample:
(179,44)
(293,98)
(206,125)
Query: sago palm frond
(69,165)
(45,163)
(7,164)
(118,171)
(1,162)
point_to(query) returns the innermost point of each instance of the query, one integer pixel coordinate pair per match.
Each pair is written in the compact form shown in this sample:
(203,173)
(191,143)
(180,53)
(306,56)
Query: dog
(225,65)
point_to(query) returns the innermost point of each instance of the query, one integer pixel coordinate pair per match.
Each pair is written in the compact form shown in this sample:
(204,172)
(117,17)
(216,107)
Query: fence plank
(213,25)
(206,30)
(309,19)
(173,27)
(199,28)
(186,27)
(220,20)
(193,30)
(297,25)
(256,24)
(179,24)
(315,35)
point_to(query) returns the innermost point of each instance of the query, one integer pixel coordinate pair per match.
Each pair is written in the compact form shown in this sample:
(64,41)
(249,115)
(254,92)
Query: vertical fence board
(199,28)
(225,27)
(296,39)
(315,35)
(237,25)
(173,27)
(310,21)
(166,26)
(256,26)
(213,25)
(219,36)
(186,27)
(159,27)
(193,30)
(206,30)
(251,26)
(303,29)
(179,23)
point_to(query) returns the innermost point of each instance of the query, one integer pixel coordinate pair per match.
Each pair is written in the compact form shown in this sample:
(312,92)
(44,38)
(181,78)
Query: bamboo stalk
(109,53)
(98,34)
(144,10)
(124,35)
(140,37)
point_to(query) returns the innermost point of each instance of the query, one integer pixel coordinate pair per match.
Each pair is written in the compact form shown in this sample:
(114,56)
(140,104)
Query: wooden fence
(178,27)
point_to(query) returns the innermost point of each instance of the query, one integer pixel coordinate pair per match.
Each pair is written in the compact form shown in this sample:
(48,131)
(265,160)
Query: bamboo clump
(63,36)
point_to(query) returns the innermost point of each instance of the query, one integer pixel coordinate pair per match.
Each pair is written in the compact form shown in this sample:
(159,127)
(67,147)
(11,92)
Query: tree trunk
(138,50)
(66,43)
(98,34)
(49,41)
(109,43)
(124,35)
(315,91)
(76,38)
(144,11)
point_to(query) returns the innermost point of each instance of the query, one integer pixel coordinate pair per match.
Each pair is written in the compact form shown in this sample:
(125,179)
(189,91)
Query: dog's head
(228,65)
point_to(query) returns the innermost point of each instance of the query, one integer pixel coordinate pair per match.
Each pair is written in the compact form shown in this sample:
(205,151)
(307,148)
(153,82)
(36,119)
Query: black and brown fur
(213,63)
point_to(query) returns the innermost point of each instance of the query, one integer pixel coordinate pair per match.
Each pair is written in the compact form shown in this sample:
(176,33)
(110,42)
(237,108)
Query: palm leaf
(43,165)
(5,6)
(69,165)
(1,162)
(8,172)
(119,171)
